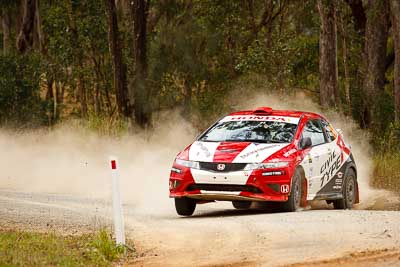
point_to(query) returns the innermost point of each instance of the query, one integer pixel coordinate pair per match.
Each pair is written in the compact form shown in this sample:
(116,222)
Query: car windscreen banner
(293,120)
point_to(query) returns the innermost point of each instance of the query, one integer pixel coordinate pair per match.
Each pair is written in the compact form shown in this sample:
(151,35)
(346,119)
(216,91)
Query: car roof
(267,111)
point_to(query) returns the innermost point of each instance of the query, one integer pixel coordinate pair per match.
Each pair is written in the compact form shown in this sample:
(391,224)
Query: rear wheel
(241,205)
(349,192)
(185,206)
(293,203)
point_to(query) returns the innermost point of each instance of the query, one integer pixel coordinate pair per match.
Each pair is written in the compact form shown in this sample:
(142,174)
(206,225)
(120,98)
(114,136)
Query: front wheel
(349,192)
(293,203)
(185,206)
(241,205)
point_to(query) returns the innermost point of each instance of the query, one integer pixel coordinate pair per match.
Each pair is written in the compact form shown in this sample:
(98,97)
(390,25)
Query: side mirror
(305,143)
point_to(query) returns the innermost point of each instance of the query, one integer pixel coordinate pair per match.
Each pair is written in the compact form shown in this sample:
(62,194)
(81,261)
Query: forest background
(114,64)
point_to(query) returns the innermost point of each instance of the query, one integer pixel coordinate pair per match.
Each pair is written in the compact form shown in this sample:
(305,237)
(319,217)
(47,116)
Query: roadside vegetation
(20,248)
(387,160)
(112,65)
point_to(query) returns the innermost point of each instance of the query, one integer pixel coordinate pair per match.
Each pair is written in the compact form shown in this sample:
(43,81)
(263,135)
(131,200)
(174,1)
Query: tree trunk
(50,100)
(328,66)
(82,94)
(6,24)
(187,108)
(25,36)
(96,99)
(39,32)
(345,65)
(374,58)
(59,95)
(78,57)
(358,14)
(142,97)
(119,67)
(395,17)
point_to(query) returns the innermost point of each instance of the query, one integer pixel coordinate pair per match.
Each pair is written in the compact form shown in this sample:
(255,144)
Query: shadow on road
(264,208)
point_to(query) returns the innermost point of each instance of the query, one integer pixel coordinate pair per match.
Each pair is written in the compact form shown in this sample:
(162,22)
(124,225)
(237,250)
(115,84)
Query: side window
(314,130)
(330,132)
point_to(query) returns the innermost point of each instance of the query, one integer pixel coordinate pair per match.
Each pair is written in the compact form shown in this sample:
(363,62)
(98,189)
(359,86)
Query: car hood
(232,152)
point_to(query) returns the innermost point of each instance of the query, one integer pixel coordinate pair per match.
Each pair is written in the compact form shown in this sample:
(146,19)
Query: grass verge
(19,248)
(387,172)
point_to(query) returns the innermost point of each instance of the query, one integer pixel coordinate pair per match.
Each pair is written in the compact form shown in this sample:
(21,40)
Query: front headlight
(188,163)
(266,165)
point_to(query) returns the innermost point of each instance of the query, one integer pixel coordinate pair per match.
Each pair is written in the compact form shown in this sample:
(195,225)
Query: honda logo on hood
(221,167)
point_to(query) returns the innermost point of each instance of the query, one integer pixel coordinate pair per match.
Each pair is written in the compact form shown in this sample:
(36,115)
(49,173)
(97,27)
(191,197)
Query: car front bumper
(254,187)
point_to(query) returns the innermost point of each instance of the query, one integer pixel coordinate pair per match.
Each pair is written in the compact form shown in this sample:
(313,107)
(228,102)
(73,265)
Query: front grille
(224,187)
(229,167)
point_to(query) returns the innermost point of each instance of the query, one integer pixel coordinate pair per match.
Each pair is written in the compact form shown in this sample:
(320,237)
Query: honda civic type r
(263,155)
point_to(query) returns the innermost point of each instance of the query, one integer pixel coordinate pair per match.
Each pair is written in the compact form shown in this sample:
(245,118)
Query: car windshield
(251,131)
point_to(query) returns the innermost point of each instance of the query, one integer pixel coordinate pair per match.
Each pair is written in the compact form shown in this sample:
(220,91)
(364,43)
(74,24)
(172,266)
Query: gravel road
(217,235)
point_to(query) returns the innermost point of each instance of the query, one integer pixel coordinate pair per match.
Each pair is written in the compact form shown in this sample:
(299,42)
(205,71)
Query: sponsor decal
(228,150)
(204,149)
(221,167)
(261,118)
(328,162)
(256,151)
(258,118)
(310,172)
(330,166)
(338,182)
(275,173)
(290,152)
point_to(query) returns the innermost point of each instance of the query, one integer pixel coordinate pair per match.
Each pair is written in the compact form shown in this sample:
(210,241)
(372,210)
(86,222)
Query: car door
(315,161)
(332,175)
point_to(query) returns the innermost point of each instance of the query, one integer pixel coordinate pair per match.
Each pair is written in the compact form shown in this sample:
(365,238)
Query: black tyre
(241,205)
(294,200)
(185,206)
(349,192)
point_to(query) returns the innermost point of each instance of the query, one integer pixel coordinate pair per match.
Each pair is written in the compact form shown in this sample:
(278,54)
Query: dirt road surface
(218,235)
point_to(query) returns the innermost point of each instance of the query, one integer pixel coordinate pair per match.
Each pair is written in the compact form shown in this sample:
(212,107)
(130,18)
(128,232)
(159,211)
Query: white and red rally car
(266,155)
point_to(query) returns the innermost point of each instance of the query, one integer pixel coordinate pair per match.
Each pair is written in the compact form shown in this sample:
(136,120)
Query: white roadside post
(117,204)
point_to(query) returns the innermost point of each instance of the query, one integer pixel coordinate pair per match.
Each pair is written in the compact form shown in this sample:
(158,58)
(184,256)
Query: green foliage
(387,159)
(19,248)
(387,171)
(55,25)
(197,52)
(77,47)
(389,141)
(20,102)
(304,63)
(106,246)
(105,125)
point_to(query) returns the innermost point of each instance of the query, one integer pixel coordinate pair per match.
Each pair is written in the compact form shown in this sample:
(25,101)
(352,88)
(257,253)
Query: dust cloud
(71,160)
